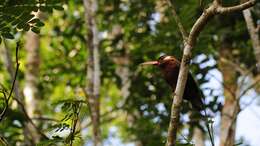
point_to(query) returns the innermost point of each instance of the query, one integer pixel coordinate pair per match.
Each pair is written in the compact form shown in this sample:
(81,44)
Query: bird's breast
(171,76)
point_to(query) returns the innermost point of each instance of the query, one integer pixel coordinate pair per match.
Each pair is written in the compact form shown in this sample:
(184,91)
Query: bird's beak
(150,63)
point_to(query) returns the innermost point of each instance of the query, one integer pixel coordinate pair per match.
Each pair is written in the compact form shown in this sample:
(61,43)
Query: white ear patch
(168,58)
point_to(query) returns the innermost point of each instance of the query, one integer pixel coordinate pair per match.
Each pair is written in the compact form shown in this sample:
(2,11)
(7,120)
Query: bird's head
(163,62)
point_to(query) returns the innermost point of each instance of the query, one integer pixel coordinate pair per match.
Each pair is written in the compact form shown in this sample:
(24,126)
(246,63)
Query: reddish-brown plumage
(170,66)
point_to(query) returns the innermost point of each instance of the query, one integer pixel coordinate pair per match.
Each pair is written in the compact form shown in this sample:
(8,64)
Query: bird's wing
(194,90)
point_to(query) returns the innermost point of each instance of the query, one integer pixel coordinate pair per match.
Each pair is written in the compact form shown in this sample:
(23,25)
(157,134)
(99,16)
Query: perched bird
(170,67)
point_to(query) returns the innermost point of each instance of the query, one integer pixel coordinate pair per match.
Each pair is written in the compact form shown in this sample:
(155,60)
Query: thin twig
(256,82)
(103,115)
(16,99)
(74,124)
(237,67)
(13,83)
(246,75)
(178,21)
(237,108)
(224,85)
(225,10)
(250,102)
(3,141)
(29,119)
(45,119)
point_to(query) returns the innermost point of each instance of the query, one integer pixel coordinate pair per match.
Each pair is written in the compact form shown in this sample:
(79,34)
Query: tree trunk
(93,69)
(123,72)
(31,91)
(254,34)
(198,137)
(231,105)
(122,61)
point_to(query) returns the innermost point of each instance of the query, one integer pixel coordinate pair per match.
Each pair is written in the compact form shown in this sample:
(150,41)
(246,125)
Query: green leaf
(26,27)
(39,24)
(5,29)
(46,9)
(60,8)
(18,15)
(50,142)
(7,35)
(21,25)
(35,30)
(35,20)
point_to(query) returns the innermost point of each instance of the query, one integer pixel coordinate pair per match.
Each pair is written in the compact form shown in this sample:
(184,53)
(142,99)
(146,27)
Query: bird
(170,67)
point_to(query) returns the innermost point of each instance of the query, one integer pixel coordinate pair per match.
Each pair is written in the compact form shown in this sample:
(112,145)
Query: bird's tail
(200,105)
(198,102)
(209,127)
(206,116)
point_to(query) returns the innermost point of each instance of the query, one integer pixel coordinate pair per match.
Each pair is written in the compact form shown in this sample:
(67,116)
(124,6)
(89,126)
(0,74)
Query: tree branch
(7,98)
(242,70)
(255,83)
(13,84)
(200,23)
(178,21)
(215,8)
(243,6)
(74,124)
(29,119)
(93,68)
(253,32)
(246,105)
(3,141)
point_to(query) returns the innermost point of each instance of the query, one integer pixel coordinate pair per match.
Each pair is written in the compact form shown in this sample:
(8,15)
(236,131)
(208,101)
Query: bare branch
(215,8)
(200,23)
(250,102)
(225,10)
(29,119)
(224,85)
(237,67)
(3,141)
(255,83)
(13,83)
(17,97)
(253,32)
(178,21)
(177,100)
(257,28)
(45,119)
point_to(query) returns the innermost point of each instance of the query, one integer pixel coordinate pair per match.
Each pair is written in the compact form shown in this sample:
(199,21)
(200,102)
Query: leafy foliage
(71,108)
(147,31)
(21,15)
